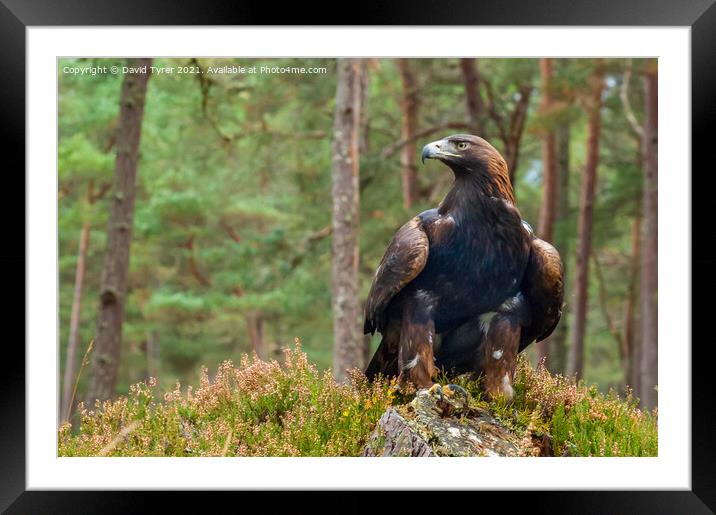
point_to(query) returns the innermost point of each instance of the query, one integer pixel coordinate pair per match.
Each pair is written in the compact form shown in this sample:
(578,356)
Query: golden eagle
(466,286)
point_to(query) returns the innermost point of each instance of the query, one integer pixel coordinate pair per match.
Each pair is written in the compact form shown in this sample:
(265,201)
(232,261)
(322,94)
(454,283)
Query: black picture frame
(699,15)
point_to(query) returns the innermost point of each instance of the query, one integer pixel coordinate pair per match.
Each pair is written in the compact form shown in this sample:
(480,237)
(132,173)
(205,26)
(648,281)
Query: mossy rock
(430,426)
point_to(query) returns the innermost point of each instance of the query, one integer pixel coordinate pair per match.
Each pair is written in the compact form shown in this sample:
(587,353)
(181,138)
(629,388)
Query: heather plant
(267,408)
(580,420)
(259,408)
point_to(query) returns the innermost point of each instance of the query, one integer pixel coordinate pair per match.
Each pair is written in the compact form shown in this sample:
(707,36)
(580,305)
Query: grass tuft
(264,408)
(581,420)
(256,409)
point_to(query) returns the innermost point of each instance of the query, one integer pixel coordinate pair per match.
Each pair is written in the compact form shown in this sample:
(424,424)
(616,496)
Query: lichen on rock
(436,425)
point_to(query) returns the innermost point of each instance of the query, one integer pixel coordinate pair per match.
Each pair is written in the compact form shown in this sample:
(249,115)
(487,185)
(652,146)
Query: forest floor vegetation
(267,408)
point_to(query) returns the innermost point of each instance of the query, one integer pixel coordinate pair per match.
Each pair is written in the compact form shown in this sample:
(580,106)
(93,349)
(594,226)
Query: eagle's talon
(436,388)
(456,389)
(445,400)
(448,392)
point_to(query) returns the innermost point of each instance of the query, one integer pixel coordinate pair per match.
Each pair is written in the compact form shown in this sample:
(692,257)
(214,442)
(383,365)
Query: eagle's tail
(384,361)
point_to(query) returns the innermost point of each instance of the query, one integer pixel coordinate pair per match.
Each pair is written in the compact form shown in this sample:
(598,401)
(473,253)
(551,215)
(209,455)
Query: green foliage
(234,192)
(80,159)
(581,420)
(619,430)
(266,409)
(258,409)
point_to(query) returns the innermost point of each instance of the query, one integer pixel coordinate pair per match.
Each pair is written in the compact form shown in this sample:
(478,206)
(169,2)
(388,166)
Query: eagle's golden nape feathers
(469,155)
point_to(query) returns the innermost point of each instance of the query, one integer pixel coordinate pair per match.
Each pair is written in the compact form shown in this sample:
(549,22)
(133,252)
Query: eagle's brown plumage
(404,259)
(467,285)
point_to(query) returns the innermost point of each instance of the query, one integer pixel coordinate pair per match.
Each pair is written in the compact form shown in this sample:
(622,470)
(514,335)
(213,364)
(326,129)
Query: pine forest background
(231,230)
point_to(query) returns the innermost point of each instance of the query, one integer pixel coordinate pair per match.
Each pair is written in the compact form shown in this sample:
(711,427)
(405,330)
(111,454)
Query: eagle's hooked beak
(430,151)
(436,150)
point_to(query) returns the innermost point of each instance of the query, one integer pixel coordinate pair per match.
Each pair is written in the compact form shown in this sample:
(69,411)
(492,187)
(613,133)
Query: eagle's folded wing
(543,286)
(404,259)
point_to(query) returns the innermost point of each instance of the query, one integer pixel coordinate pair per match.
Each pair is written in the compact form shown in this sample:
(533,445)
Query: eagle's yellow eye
(462,145)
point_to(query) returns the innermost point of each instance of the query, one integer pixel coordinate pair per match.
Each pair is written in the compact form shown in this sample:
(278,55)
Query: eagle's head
(471,157)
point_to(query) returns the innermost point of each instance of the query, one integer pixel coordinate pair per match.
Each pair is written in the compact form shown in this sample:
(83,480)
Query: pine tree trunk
(408,153)
(510,130)
(548,207)
(74,336)
(627,353)
(586,212)
(558,339)
(153,355)
(105,360)
(348,349)
(255,327)
(635,365)
(649,266)
(516,129)
(473,99)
